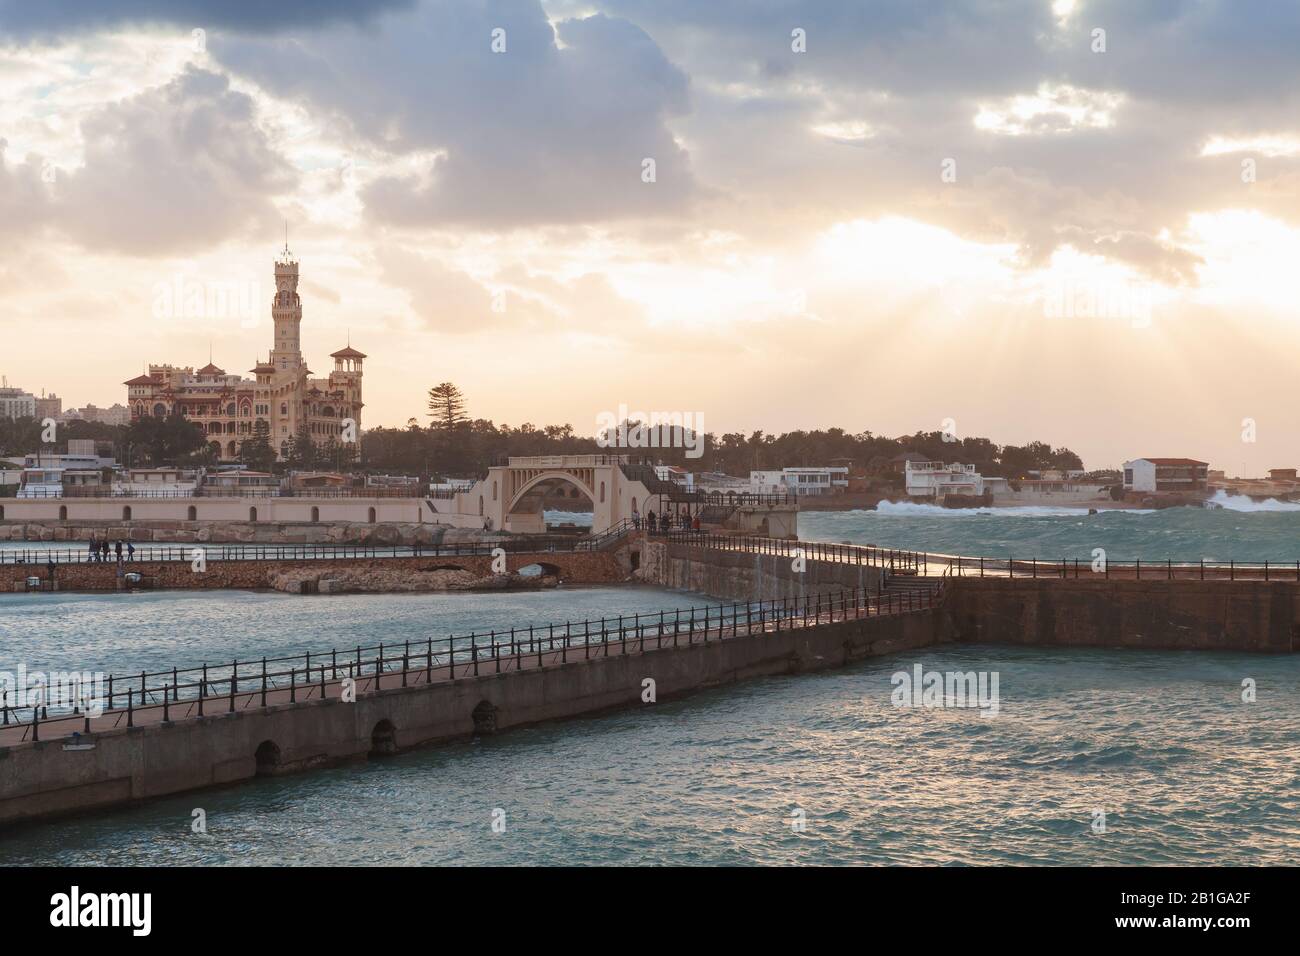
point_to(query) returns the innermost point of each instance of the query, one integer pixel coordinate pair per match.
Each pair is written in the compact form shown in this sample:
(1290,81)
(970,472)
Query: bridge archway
(485,718)
(267,758)
(527,509)
(383,739)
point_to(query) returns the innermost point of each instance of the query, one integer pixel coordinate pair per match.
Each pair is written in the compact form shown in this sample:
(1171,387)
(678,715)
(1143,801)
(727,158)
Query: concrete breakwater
(1212,615)
(1179,613)
(351,573)
(247,733)
(244,532)
(746,575)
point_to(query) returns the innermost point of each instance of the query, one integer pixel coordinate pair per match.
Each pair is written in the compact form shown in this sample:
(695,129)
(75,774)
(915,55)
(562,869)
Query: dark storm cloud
(56,19)
(544,132)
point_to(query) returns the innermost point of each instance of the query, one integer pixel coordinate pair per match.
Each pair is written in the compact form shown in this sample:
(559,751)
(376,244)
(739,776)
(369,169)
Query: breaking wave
(1247,505)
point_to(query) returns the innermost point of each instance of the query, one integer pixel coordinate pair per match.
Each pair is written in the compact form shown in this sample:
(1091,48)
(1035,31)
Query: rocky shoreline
(390,581)
(244,532)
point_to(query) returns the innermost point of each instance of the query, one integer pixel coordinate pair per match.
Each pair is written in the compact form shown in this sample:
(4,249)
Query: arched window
(159,410)
(230,409)
(480,504)
(284,408)
(494,491)
(252,514)
(315,513)
(192,514)
(126,513)
(602,492)
(63,512)
(370,515)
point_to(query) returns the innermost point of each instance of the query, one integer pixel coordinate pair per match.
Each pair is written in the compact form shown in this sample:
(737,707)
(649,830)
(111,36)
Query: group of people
(100,550)
(666,521)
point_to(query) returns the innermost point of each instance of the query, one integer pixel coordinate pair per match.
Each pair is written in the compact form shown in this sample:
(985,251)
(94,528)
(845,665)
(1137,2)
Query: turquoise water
(154,630)
(1244,532)
(1160,742)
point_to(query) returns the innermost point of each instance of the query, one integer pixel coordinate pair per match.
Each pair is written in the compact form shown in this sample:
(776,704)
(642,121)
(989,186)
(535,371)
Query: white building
(1166,474)
(822,480)
(15,403)
(934,479)
(677,475)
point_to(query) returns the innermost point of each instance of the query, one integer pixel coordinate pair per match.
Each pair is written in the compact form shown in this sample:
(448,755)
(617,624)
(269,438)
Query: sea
(1091,756)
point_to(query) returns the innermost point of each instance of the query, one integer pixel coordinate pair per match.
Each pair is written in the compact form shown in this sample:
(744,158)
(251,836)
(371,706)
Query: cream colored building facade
(282,392)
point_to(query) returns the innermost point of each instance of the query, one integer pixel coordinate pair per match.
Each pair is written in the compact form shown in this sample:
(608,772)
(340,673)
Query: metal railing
(896,560)
(958,566)
(1103,569)
(534,544)
(217,491)
(208,690)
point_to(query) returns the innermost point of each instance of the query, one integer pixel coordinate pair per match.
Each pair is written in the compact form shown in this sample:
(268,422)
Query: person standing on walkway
(118,547)
(94,548)
(130,551)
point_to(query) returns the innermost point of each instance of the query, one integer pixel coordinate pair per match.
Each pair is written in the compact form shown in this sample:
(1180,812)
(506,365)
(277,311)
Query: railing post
(263,681)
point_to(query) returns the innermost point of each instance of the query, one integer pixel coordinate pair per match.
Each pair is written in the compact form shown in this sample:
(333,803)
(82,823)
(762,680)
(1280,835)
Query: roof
(348,352)
(1173,461)
(143,380)
(211,369)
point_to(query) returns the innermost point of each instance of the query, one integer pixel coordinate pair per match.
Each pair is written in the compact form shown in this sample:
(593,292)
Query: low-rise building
(817,480)
(1166,475)
(49,406)
(15,403)
(677,475)
(935,479)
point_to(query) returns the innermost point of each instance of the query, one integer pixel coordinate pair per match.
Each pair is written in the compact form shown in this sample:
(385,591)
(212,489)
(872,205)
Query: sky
(1019,219)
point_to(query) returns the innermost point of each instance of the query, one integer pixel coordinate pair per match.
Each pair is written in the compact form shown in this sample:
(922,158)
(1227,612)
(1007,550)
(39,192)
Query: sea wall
(1220,615)
(583,567)
(177,531)
(1257,616)
(43,779)
(737,576)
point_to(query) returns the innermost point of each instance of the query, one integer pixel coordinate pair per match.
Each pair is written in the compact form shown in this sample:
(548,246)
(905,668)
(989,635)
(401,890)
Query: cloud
(174,169)
(555,129)
(47,19)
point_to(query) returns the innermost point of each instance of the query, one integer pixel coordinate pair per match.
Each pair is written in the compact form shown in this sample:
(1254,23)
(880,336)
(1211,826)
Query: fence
(1137,569)
(218,491)
(931,563)
(895,560)
(538,544)
(207,690)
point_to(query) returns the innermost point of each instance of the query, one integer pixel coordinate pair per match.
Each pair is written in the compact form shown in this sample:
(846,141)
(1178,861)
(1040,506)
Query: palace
(283,394)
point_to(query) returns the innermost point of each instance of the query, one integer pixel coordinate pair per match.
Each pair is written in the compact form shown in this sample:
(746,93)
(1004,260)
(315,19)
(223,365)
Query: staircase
(919,589)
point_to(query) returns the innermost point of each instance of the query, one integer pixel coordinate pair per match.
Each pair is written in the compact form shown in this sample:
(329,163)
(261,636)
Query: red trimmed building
(282,392)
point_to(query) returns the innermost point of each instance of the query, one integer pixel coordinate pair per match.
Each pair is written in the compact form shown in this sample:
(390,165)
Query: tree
(301,452)
(165,441)
(447,407)
(256,451)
